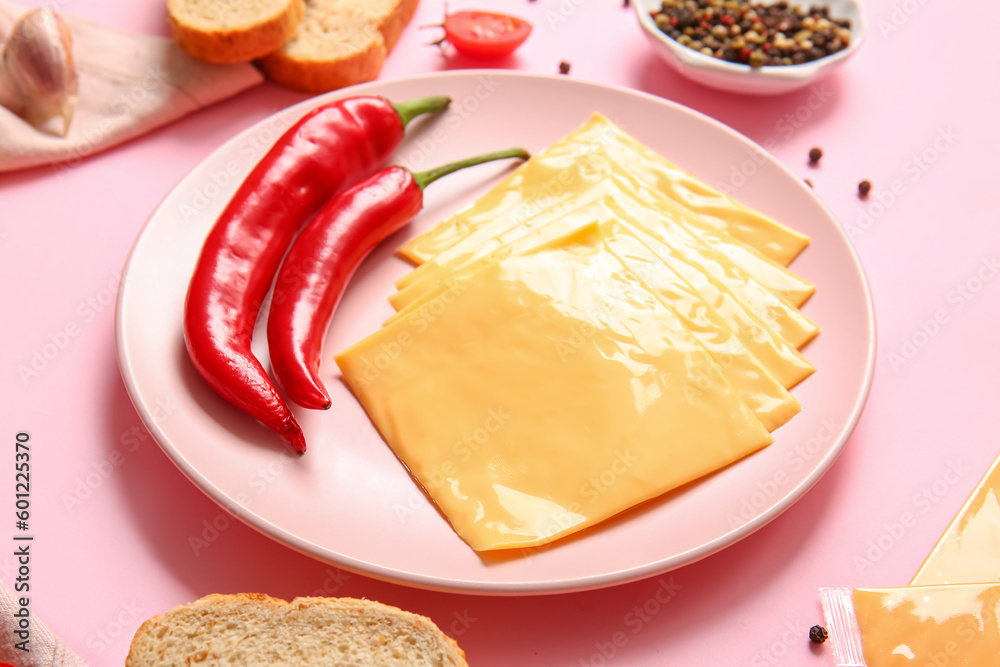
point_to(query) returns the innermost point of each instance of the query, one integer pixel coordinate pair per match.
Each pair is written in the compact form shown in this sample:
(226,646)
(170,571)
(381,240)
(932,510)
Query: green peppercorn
(786,34)
(757,59)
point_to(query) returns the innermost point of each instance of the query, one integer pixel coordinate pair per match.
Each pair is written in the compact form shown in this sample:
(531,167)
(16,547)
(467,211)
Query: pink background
(910,112)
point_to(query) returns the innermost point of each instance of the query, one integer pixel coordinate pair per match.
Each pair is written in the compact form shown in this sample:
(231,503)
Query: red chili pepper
(328,150)
(323,259)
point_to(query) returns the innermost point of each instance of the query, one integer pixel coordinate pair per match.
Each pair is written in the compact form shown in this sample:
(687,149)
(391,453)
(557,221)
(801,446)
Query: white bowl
(738,78)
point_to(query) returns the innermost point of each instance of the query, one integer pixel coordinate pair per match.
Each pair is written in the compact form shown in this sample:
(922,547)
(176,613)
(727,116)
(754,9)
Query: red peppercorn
(719,27)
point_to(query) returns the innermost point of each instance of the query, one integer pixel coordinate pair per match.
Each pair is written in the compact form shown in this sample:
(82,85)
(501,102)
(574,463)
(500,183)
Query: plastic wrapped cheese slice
(540,182)
(539,375)
(580,176)
(949,625)
(969,551)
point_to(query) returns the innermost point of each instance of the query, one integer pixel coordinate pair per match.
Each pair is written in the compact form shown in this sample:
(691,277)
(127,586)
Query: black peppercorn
(818,634)
(564,67)
(758,34)
(815,154)
(864,187)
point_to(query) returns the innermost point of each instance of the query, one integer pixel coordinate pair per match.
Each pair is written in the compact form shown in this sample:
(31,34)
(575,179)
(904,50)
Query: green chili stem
(412,108)
(425,178)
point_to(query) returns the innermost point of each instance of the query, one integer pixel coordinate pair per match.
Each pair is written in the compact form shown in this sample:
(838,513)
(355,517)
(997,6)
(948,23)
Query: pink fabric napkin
(44,648)
(129,85)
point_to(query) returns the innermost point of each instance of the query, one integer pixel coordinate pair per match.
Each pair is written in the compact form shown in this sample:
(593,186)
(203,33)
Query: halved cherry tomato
(485,34)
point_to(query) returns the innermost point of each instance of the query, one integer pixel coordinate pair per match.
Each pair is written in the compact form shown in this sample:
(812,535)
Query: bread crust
(392,27)
(220,41)
(202,626)
(317,61)
(319,75)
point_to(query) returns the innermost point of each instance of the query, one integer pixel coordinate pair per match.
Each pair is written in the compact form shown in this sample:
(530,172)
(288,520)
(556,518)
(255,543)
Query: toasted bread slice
(252,629)
(224,31)
(338,43)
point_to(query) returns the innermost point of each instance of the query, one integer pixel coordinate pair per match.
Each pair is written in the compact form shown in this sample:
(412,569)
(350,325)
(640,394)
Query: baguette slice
(338,43)
(228,31)
(252,629)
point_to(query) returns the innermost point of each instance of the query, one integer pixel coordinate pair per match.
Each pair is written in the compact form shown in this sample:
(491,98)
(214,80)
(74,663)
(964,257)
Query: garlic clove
(10,94)
(38,58)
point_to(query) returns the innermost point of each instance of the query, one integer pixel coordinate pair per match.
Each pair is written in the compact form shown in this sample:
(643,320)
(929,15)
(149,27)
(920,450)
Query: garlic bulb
(38,59)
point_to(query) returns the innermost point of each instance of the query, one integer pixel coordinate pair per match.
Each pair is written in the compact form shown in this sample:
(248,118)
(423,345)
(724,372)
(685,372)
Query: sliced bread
(338,43)
(228,31)
(252,629)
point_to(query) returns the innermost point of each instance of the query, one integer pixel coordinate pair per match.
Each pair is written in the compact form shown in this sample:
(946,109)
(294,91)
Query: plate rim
(465,586)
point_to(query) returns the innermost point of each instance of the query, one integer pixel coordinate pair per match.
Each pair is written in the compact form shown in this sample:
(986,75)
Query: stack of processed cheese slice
(596,330)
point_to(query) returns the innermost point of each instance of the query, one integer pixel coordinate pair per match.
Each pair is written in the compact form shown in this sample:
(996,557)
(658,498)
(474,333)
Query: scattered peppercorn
(564,67)
(815,154)
(624,3)
(808,182)
(818,634)
(754,34)
(864,187)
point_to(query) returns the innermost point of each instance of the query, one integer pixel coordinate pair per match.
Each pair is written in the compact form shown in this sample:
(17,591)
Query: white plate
(348,501)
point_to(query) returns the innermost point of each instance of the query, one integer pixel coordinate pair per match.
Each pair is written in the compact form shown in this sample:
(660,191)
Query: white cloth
(129,85)
(45,649)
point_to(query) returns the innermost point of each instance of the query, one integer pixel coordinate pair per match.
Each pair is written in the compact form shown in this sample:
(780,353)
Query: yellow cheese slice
(751,323)
(777,356)
(549,393)
(582,189)
(541,182)
(929,625)
(969,551)
(757,230)
(753,381)
(713,256)
(766,397)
